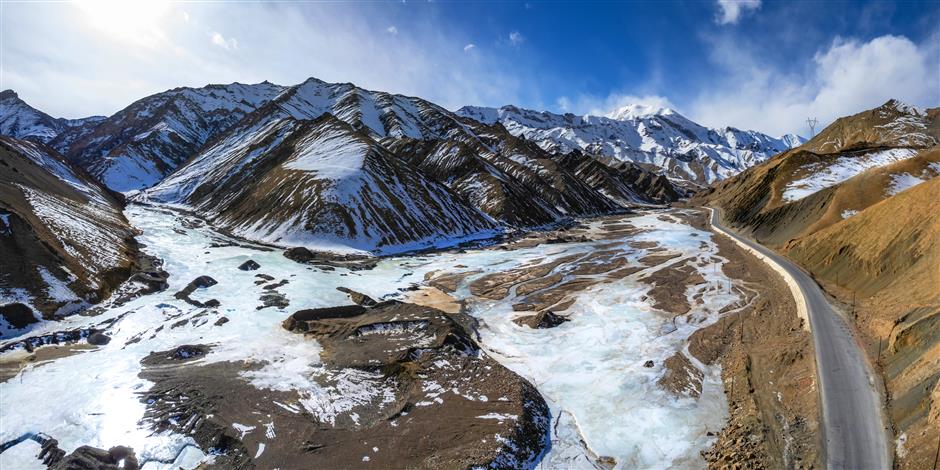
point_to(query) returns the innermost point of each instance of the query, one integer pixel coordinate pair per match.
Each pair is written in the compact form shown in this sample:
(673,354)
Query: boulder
(299,254)
(98,338)
(249,265)
(17,315)
(203,281)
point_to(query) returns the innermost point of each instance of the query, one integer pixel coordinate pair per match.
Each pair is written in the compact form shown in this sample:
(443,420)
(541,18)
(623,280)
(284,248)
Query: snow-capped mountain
(642,134)
(19,119)
(492,180)
(141,144)
(334,166)
(63,239)
(321,184)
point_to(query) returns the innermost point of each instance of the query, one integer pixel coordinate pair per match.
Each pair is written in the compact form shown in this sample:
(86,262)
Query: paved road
(853,421)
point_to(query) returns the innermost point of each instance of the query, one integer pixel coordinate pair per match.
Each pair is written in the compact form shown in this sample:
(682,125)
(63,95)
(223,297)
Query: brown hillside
(889,254)
(892,124)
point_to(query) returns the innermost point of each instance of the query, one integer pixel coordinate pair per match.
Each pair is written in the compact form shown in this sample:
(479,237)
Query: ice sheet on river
(589,369)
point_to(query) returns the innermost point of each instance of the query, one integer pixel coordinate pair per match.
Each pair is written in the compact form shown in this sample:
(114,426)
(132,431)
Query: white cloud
(392,30)
(94,74)
(229,44)
(730,10)
(469,47)
(844,78)
(516,38)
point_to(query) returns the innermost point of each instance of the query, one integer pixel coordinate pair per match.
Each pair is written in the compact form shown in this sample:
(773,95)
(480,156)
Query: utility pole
(812,122)
(937,456)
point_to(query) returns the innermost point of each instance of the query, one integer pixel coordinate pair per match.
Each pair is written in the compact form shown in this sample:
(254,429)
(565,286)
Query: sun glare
(129,19)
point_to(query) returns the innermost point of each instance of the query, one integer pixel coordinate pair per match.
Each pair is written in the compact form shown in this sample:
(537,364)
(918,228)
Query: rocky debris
(93,458)
(184,353)
(59,337)
(682,378)
(329,261)
(649,364)
(17,315)
(544,319)
(200,282)
(566,239)
(282,282)
(221,321)
(298,322)
(439,402)
(249,265)
(358,297)
(274,299)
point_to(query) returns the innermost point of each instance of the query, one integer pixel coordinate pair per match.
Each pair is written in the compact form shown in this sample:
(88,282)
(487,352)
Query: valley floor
(638,332)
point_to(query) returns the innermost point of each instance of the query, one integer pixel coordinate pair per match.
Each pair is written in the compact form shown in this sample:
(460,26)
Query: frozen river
(590,370)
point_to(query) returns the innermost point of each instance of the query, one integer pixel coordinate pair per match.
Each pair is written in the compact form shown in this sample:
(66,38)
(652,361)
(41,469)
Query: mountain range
(395,162)
(658,138)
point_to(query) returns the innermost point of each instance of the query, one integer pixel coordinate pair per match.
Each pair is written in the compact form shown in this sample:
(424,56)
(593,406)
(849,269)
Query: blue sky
(750,64)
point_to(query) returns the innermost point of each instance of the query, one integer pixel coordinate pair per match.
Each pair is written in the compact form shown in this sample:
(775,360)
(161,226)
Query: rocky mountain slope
(321,184)
(22,121)
(64,242)
(141,144)
(658,137)
(454,178)
(857,207)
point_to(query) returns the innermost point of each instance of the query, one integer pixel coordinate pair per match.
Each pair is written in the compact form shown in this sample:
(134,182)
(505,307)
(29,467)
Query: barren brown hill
(893,124)
(889,256)
(855,162)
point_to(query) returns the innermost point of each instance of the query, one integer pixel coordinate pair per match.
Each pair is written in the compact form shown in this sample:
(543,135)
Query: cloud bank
(843,78)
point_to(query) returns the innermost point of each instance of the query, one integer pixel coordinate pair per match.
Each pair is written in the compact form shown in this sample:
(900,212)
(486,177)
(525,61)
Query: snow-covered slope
(642,134)
(63,239)
(320,184)
(20,120)
(513,181)
(141,144)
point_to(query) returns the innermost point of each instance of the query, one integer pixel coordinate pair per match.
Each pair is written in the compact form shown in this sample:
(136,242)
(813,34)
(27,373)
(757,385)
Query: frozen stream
(590,369)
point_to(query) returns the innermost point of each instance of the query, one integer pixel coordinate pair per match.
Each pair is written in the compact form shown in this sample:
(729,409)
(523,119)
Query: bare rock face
(401,386)
(93,458)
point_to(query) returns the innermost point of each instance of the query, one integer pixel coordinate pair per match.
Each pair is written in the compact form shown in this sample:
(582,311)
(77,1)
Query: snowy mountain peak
(793,140)
(638,111)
